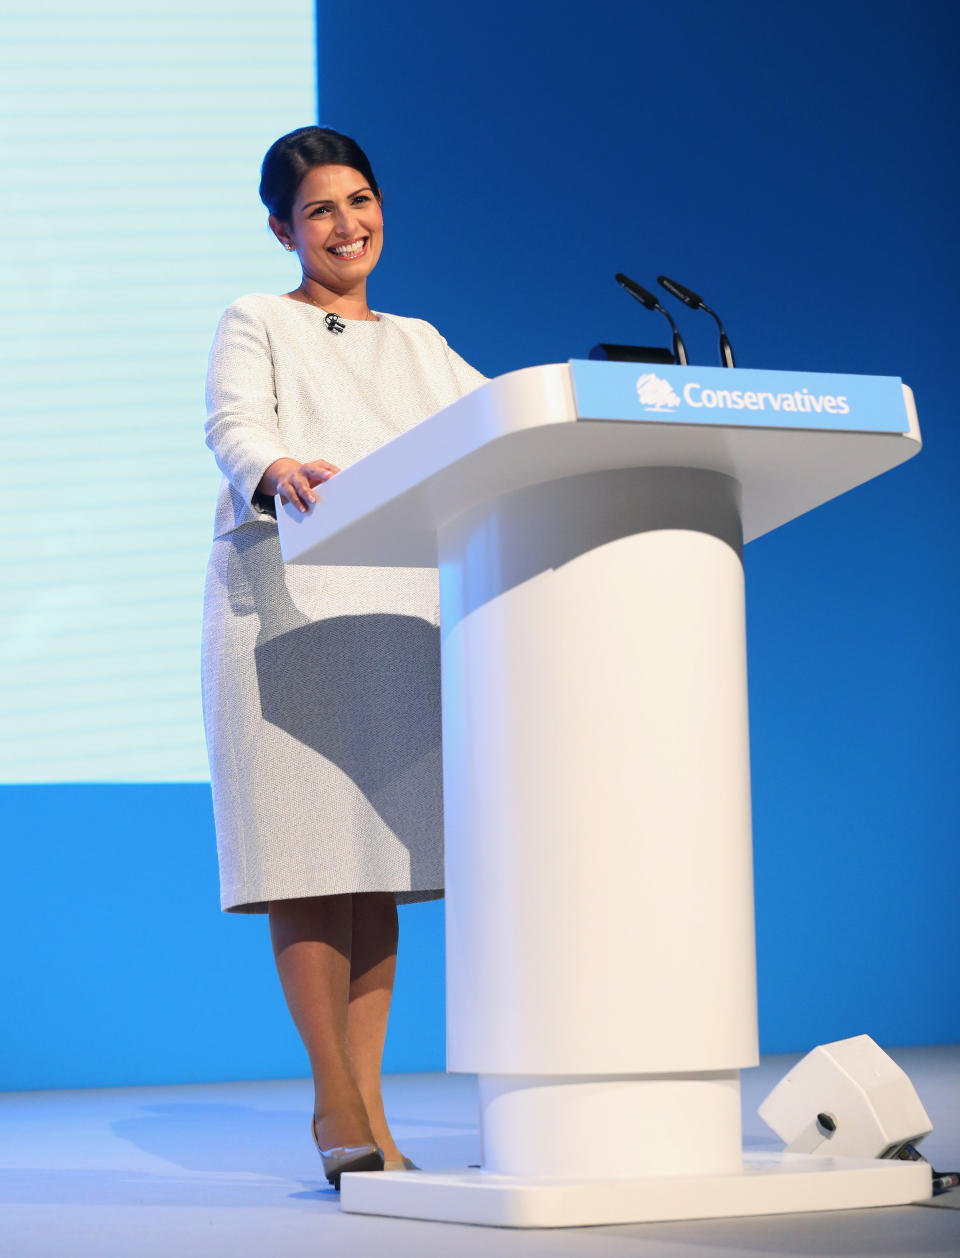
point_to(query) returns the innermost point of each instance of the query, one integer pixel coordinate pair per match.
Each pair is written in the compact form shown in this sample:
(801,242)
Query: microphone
(696,302)
(333,323)
(647,299)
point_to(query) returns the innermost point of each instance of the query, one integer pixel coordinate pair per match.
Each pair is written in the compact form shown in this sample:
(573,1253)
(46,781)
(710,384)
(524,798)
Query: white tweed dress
(321,685)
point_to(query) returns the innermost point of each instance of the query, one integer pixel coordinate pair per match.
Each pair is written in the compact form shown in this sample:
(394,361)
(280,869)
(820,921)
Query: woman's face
(337,227)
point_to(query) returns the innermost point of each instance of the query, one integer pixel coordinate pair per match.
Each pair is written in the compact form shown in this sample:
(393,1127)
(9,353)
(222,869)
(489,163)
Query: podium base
(770,1183)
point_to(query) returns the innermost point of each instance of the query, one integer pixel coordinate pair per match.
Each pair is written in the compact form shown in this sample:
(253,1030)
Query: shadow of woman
(311,652)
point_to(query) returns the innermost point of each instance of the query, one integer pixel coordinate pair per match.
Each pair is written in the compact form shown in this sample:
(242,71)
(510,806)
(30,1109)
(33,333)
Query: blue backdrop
(797,166)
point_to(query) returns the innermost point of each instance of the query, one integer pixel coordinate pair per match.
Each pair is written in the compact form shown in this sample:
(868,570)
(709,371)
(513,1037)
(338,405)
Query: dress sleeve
(467,377)
(242,427)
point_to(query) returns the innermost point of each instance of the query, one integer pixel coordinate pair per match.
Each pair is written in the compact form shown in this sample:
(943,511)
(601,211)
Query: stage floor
(229,1169)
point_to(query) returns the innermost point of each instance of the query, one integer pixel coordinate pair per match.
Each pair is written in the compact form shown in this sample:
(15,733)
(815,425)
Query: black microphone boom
(646,298)
(696,302)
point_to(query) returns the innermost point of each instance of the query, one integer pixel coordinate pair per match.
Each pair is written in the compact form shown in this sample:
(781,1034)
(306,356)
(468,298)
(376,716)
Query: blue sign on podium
(737,396)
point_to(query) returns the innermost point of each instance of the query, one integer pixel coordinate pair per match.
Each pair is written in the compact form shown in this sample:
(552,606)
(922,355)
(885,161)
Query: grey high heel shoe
(346,1157)
(399,1164)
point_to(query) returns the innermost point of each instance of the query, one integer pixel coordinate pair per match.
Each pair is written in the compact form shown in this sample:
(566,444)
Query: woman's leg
(373,965)
(312,942)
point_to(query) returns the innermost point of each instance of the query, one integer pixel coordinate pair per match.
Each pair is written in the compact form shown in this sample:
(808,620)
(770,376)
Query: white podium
(587,520)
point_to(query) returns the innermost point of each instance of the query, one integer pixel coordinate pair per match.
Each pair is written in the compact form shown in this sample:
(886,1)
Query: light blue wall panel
(129,218)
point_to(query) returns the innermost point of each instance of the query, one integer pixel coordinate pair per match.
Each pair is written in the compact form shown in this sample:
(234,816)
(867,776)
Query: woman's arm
(242,427)
(468,378)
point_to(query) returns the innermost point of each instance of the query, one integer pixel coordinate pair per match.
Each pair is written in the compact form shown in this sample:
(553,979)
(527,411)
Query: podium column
(599,917)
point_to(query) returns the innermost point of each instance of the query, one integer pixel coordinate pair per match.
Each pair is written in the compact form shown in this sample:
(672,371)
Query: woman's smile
(350,249)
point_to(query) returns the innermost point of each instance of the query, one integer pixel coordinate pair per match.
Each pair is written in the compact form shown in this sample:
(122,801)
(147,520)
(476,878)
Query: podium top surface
(792,440)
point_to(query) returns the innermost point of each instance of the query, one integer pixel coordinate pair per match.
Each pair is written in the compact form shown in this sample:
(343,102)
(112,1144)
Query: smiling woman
(321,685)
(336,228)
(332,218)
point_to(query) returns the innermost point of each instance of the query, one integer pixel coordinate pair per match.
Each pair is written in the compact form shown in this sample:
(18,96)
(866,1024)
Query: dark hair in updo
(289,158)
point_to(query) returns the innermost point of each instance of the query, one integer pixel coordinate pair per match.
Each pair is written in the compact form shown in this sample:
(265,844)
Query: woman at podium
(321,685)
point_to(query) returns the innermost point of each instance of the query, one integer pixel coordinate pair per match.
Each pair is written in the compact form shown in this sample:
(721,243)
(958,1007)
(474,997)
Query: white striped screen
(129,158)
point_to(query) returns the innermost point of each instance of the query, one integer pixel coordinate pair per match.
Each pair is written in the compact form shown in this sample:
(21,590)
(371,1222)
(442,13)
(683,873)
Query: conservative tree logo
(655,394)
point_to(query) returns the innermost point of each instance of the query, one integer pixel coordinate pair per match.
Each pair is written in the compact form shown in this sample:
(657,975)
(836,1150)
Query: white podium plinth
(600,924)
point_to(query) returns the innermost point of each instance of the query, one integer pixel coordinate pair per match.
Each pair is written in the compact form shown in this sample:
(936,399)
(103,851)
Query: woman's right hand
(294,481)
